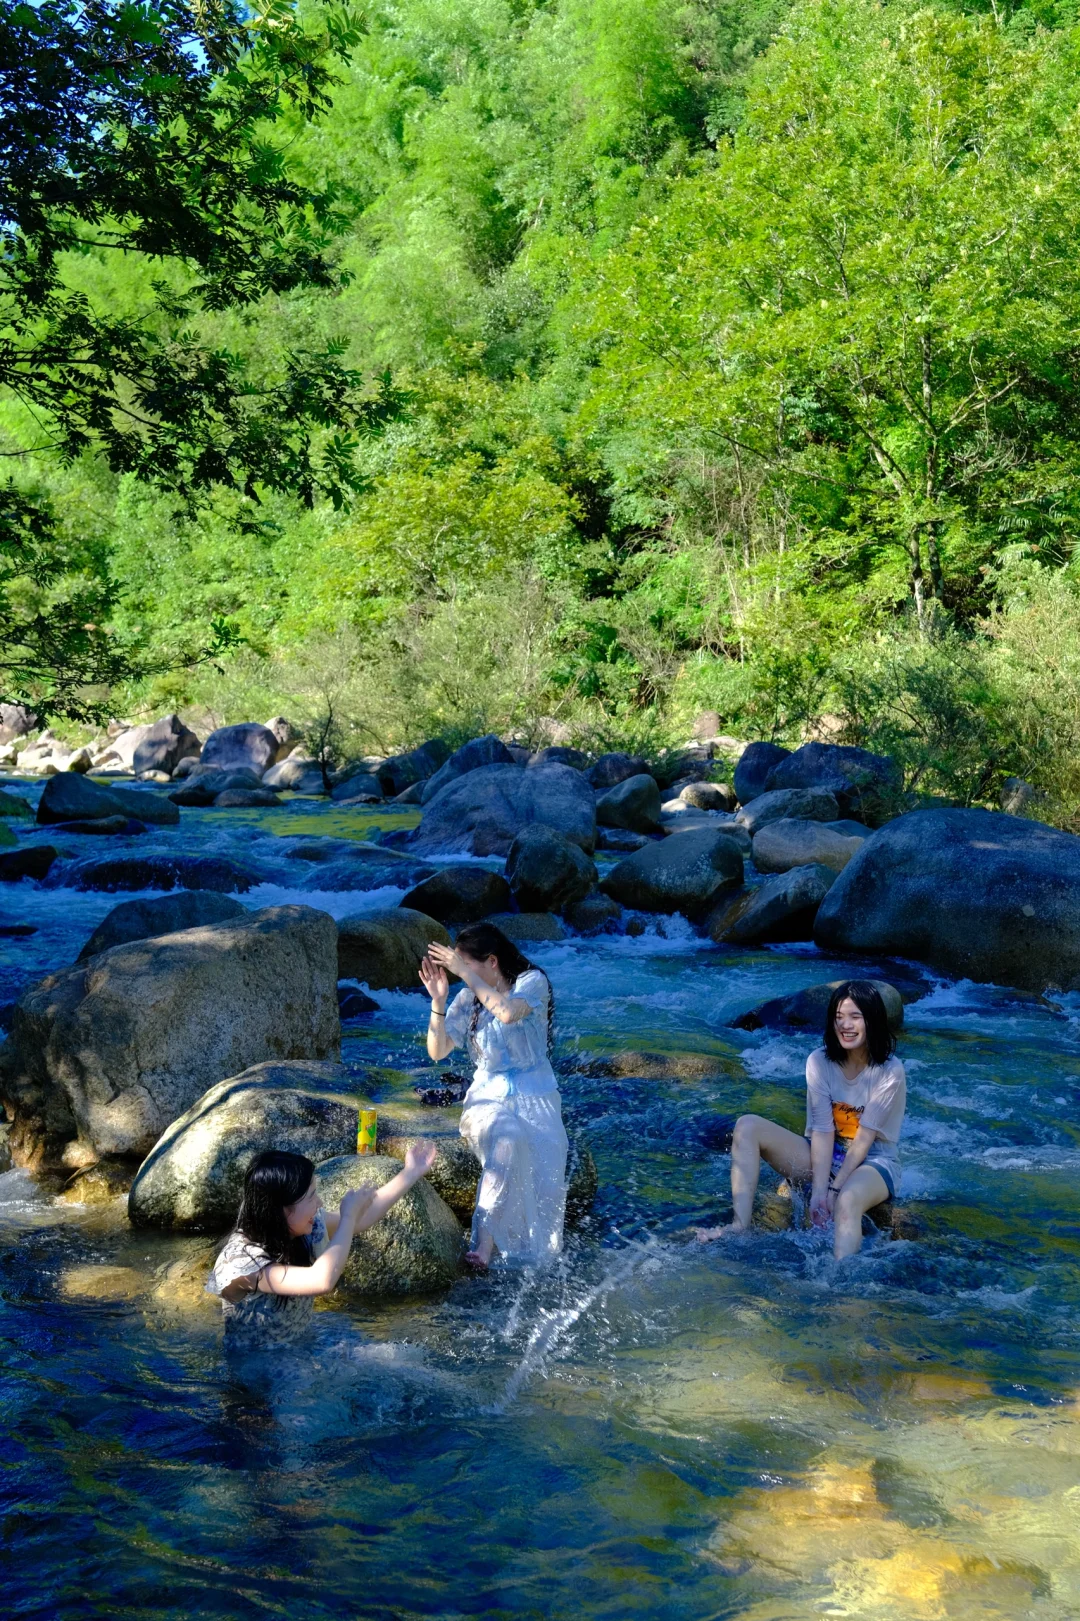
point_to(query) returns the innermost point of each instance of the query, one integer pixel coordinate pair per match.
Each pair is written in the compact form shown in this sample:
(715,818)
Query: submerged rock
(483,812)
(193,1178)
(145,920)
(103,826)
(481,751)
(155,870)
(782,908)
(684,873)
(974,893)
(368,867)
(384,949)
(104,1055)
(788,804)
(247,744)
(460,895)
(546,871)
(354,1003)
(788,843)
(633,804)
(416,1249)
(245,799)
(752,770)
(70,797)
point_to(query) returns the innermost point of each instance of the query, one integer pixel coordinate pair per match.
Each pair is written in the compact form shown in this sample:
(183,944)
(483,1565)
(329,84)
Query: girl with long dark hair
(512,1119)
(856,1094)
(286,1249)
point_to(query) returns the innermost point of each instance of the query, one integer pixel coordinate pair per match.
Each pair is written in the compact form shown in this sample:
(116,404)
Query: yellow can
(366,1132)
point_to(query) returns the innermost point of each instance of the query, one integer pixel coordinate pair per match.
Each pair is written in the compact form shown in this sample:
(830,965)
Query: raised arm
(500,1004)
(322,1275)
(418,1162)
(435,981)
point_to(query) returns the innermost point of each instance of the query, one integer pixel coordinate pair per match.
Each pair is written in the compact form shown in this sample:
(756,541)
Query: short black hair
(880,1041)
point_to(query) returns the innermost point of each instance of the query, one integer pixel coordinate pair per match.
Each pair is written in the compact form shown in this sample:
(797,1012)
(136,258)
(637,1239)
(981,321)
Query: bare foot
(475,1261)
(705,1235)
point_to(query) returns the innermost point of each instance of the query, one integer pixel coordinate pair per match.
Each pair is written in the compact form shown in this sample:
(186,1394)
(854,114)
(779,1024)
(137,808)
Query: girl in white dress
(512,1119)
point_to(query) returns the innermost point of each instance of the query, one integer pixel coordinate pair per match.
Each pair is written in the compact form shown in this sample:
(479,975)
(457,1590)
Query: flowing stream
(653,1428)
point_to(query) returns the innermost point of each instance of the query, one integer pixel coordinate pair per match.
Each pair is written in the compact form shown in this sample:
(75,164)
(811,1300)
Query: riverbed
(655,1428)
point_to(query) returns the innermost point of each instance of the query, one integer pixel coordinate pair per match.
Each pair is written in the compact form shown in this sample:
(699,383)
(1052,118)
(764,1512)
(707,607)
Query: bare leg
(863,1189)
(755,1139)
(482,1251)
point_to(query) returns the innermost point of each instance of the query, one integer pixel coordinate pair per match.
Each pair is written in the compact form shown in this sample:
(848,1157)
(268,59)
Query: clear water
(655,1430)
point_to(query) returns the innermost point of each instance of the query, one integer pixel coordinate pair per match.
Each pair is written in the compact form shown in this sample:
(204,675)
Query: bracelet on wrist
(435,1014)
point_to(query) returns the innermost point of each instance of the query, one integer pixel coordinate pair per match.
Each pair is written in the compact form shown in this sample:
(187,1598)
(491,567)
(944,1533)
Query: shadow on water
(652,1427)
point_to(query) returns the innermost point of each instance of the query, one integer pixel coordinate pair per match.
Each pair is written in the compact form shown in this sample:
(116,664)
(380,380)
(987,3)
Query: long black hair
(275,1179)
(880,1041)
(483,940)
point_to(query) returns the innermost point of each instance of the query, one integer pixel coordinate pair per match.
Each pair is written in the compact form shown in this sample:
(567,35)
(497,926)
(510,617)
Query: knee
(847,1208)
(745,1134)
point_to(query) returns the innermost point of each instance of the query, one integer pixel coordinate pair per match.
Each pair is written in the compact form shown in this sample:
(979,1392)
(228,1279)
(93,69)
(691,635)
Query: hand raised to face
(434,978)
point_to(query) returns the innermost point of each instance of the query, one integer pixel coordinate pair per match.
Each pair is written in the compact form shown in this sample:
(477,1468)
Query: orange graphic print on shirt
(846,1120)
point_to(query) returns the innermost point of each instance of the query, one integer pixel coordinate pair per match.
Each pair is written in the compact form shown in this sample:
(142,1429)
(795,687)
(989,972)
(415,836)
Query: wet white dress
(512,1121)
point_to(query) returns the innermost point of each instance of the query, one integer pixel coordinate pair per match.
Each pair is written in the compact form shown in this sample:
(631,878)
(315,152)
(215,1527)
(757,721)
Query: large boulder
(204,783)
(163,744)
(193,1178)
(788,843)
(401,771)
(158,869)
(806,1009)
(788,804)
(489,750)
(417,1247)
(782,908)
(709,796)
(71,797)
(528,928)
(145,920)
(633,803)
(483,812)
(15,721)
(558,754)
(298,774)
(547,872)
(686,873)
(596,914)
(287,739)
(753,768)
(104,1055)
(31,861)
(460,895)
(971,892)
(856,777)
(362,785)
(248,744)
(610,769)
(384,949)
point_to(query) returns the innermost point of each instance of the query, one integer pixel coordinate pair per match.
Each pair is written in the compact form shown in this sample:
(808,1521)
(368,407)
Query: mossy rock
(416,1249)
(14,805)
(7,837)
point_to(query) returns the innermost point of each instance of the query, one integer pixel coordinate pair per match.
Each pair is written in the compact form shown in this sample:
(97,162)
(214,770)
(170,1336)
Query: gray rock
(15,721)
(633,804)
(620,839)
(1018,797)
(248,744)
(102,826)
(416,1248)
(482,751)
(246,799)
(788,804)
(782,908)
(806,1009)
(402,770)
(193,1178)
(547,872)
(70,797)
(483,812)
(779,846)
(528,928)
(975,893)
(104,1055)
(158,869)
(163,745)
(596,914)
(362,785)
(145,920)
(369,866)
(185,768)
(610,769)
(205,782)
(354,1003)
(752,771)
(686,873)
(287,739)
(32,861)
(413,794)
(460,895)
(297,776)
(709,796)
(857,778)
(559,754)
(384,949)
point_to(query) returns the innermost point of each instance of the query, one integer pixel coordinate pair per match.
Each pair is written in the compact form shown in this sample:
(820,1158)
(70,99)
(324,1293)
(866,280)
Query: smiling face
(850,1026)
(301,1215)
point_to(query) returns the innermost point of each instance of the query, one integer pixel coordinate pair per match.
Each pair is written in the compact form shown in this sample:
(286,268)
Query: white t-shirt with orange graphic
(876,1097)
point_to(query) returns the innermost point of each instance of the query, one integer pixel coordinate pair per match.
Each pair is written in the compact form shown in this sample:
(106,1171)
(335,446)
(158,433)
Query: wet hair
(275,1179)
(483,940)
(880,1040)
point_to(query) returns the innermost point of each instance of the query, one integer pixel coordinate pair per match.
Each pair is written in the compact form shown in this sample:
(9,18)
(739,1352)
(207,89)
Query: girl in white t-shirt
(856,1095)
